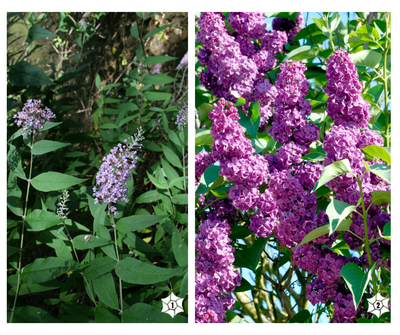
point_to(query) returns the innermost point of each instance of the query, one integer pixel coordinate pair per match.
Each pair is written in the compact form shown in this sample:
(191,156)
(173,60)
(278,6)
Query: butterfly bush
(115,171)
(32,117)
(182,117)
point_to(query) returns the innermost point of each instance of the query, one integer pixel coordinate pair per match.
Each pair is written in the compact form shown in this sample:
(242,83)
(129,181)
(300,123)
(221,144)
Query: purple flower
(288,26)
(32,117)
(248,24)
(183,62)
(115,171)
(216,277)
(182,117)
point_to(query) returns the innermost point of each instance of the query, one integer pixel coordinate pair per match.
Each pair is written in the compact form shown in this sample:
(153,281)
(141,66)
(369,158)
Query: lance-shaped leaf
(45,269)
(332,171)
(41,220)
(356,280)
(157,79)
(83,242)
(98,267)
(137,222)
(14,162)
(25,74)
(144,313)
(36,33)
(44,146)
(104,287)
(337,211)
(157,59)
(134,271)
(54,181)
(157,30)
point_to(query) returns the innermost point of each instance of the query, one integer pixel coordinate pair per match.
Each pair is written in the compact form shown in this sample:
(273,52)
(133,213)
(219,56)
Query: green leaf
(386,232)
(83,242)
(366,58)
(148,197)
(156,95)
(178,182)
(14,194)
(15,163)
(36,33)
(45,269)
(134,271)
(44,146)
(31,314)
(156,183)
(137,222)
(179,247)
(25,74)
(303,316)
(103,315)
(180,199)
(104,287)
(35,288)
(140,247)
(135,31)
(382,171)
(144,313)
(344,225)
(334,22)
(303,52)
(108,126)
(41,220)
(332,171)
(204,138)
(54,181)
(157,79)
(249,257)
(337,211)
(98,81)
(380,197)
(209,177)
(98,213)
(171,156)
(157,59)
(251,124)
(98,267)
(377,152)
(203,110)
(356,280)
(156,30)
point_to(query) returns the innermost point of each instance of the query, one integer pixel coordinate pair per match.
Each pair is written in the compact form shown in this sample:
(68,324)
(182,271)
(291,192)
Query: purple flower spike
(115,171)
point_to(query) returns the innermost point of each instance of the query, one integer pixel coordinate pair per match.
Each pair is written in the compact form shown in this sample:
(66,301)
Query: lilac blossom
(115,171)
(288,26)
(216,277)
(32,117)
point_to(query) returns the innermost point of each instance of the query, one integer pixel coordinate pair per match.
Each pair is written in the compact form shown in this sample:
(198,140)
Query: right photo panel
(293,167)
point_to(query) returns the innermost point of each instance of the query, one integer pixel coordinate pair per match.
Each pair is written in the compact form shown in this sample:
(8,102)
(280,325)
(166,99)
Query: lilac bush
(273,121)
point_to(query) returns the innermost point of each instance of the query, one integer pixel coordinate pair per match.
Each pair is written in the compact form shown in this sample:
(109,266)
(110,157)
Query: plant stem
(121,302)
(22,234)
(366,237)
(387,140)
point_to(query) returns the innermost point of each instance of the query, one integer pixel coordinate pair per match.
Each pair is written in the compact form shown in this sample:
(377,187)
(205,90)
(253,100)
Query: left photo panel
(97,167)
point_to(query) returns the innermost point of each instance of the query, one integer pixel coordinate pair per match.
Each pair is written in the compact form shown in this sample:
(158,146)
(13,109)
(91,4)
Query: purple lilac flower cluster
(32,117)
(349,134)
(236,63)
(344,140)
(216,277)
(290,27)
(115,171)
(182,117)
(345,104)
